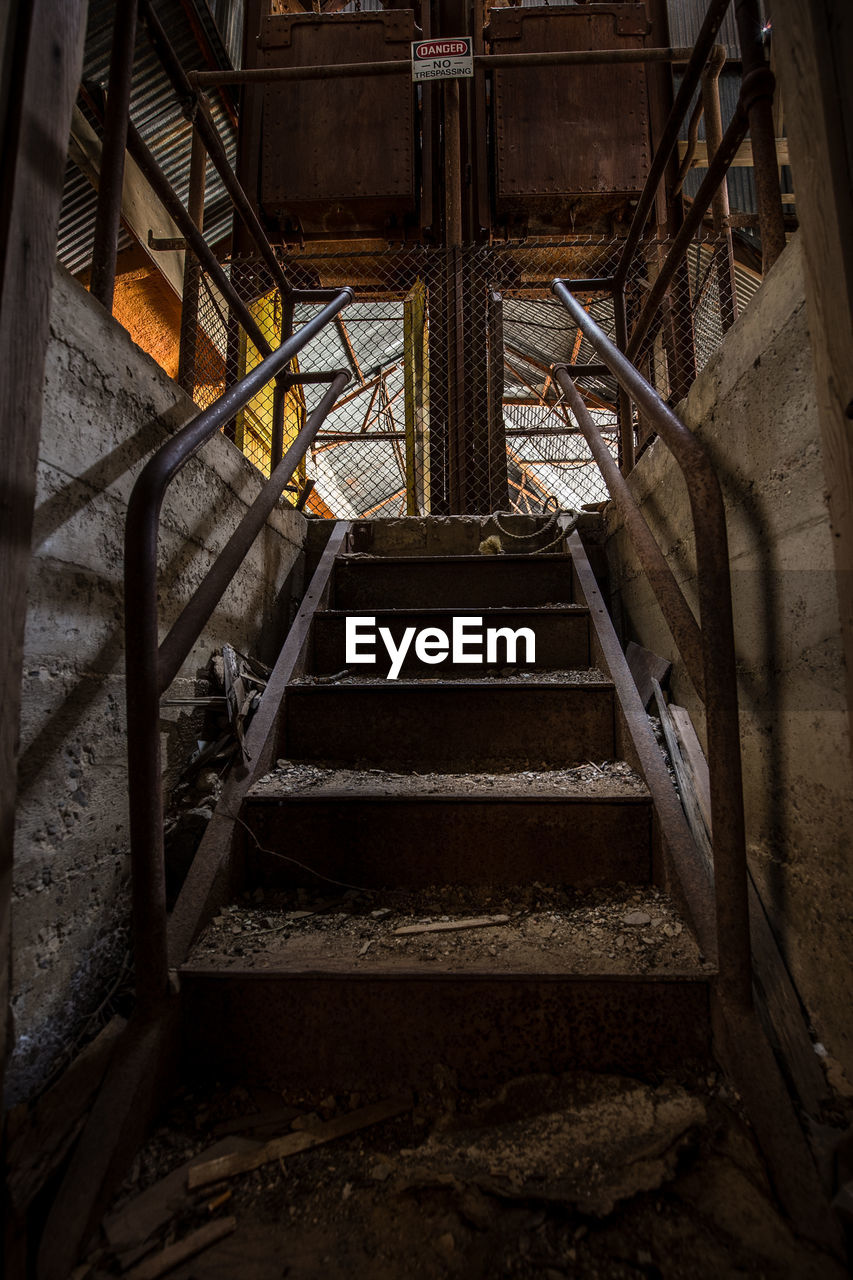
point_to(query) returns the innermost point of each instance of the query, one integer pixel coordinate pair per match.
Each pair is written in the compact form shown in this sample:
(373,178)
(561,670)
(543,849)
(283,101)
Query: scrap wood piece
(684,782)
(694,759)
(137,1220)
(450,926)
(255,1120)
(292,1143)
(646,667)
(172,1256)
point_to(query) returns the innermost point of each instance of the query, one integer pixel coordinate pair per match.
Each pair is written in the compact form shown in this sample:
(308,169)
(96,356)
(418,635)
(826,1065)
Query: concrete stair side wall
(754,407)
(107,406)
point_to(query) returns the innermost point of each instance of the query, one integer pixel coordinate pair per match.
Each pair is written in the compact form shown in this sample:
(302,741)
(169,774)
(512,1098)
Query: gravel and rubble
(600,1177)
(592,778)
(615,930)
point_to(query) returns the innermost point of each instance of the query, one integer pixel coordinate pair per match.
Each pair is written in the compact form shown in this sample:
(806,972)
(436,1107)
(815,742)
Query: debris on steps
(620,929)
(605,777)
(594,1176)
(505,675)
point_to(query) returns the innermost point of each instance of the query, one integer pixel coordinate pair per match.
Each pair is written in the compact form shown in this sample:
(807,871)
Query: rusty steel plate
(454,724)
(563,131)
(561,638)
(452,582)
(415,841)
(340,1032)
(338,153)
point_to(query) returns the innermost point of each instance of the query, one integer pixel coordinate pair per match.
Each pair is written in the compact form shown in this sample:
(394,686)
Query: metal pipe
(401,66)
(704,42)
(692,139)
(143,659)
(197,108)
(452,166)
(717,170)
(625,413)
(277,438)
(171,201)
(312,295)
(757,96)
(299,379)
(718,657)
(720,203)
(191,622)
(111,181)
(676,610)
(189,304)
(596,284)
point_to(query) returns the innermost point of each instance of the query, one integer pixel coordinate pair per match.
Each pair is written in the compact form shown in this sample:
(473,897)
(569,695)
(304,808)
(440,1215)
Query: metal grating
(388,448)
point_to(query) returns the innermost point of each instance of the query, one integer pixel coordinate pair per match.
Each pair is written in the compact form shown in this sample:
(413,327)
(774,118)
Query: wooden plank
(778,1001)
(44,41)
(136,1221)
(782,1011)
(694,759)
(685,790)
(141,211)
(292,1143)
(645,667)
(450,926)
(743,156)
(183,1250)
(814,48)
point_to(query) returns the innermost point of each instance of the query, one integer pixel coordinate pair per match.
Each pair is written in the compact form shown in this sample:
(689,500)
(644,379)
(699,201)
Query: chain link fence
(451,406)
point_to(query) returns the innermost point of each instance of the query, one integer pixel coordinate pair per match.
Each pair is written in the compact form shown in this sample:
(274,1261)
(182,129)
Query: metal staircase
(435,780)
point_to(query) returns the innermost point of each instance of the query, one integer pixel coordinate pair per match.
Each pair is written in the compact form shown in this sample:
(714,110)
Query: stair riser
(561,641)
(441,726)
(487,581)
(420,842)
(339,1034)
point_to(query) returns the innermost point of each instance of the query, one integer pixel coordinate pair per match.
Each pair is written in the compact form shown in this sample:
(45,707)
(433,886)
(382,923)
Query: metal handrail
(717,643)
(714,16)
(150,666)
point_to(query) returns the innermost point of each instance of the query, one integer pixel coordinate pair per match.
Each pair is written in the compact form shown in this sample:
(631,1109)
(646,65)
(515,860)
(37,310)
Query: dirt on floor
(596,780)
(578,1175)
(615,930)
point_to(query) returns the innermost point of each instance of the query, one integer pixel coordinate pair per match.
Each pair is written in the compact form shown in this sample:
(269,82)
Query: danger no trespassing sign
(442,59)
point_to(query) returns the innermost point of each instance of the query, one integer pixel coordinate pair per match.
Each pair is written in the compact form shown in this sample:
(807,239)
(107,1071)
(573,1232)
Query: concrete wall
(107,406)
(754,408)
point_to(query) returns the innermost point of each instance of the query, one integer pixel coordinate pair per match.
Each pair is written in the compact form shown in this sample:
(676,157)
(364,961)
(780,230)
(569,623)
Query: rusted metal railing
(151,666)
(717,682)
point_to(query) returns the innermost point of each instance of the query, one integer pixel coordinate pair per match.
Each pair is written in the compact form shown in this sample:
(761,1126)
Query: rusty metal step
(451,582)
(387,1028)
(484,838)
(455,725)
(561,638)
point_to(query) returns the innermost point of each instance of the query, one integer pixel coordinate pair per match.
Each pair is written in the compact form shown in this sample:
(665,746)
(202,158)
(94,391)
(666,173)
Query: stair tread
(614,933)
(506,557)
(561,606)
(566,678)
(604,780)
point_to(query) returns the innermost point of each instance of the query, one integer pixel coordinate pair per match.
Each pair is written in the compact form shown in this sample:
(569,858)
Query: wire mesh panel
(451,406)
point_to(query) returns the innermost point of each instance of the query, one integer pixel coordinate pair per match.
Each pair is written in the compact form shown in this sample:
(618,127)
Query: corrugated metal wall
(158,117)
